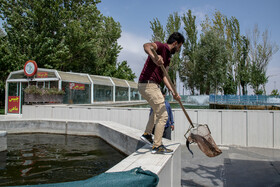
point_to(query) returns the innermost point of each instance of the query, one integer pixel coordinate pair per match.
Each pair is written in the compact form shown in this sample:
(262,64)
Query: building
(79,88)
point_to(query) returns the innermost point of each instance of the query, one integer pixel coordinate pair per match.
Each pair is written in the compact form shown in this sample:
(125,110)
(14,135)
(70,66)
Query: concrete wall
(253,128)
(126,139)
(3,142)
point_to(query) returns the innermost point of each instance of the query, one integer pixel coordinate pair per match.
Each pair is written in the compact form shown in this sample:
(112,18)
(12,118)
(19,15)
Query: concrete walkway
(236,166)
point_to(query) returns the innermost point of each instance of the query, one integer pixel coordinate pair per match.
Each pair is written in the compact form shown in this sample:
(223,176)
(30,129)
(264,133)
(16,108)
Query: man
(170,122)
(149,80)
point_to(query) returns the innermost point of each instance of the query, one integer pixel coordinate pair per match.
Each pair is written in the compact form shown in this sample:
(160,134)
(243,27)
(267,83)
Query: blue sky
(135,16)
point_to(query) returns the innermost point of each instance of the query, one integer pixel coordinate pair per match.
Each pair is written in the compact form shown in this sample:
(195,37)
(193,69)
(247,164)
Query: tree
(257,78)
(173,25)
(238,48)
(274,92)
(2,34)
(236,76)
(123,71)
(228,30)
(158,31)
(63,34)
(187,71)
(244,66)
(159,34)
(211,62)
(223,60)
(5,66)
(234,49)
(261,52)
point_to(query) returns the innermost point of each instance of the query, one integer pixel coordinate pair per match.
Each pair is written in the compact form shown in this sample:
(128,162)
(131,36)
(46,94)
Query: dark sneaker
(147,138)
(162,150)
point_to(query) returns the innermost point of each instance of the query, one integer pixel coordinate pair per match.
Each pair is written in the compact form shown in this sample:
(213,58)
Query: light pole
(275,75)
(183,82)
(274,81)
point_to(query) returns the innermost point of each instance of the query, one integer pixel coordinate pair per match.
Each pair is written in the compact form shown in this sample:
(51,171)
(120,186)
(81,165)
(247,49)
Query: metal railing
(244,99)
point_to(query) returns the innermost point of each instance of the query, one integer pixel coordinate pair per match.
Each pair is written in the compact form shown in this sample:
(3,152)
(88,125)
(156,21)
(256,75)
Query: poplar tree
(222,59)
(173,25)
(160,34)
(158,31)
(212,57)
(188,71)
(261,52)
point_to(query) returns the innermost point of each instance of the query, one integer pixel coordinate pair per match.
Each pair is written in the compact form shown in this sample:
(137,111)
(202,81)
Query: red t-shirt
(150,70)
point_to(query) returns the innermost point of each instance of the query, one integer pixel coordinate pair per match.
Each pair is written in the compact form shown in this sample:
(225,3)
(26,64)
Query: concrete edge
(124,138)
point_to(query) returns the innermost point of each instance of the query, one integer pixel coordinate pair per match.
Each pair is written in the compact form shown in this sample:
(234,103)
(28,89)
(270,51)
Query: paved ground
(235,167)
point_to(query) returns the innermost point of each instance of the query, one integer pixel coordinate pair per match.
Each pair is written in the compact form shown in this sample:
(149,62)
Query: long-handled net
(199,134)
(202,136)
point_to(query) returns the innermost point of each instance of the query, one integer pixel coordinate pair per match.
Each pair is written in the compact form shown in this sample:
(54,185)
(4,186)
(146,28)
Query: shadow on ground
(235,167)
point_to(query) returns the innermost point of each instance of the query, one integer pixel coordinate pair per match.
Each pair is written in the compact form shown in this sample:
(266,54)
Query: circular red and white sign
(30,68)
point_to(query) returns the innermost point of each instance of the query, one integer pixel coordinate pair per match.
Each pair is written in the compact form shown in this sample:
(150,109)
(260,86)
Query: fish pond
(54,158)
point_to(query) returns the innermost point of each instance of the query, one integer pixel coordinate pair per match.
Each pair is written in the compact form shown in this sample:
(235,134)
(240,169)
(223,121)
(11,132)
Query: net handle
(172,85)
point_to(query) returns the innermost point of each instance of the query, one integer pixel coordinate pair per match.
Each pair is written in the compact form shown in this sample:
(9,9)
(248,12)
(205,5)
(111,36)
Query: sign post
(30,68)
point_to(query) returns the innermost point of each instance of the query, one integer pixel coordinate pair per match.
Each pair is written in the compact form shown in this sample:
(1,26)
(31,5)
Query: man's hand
(177,97)
(172,127)
(158,61)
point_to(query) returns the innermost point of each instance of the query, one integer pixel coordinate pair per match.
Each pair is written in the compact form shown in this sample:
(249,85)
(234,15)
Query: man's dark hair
(176,36)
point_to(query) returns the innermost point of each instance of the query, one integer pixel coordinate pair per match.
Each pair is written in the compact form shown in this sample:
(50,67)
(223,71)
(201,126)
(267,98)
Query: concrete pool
(124,138)
(40,158)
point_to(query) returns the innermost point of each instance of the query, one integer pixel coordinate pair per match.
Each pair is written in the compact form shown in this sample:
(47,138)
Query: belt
(148,81)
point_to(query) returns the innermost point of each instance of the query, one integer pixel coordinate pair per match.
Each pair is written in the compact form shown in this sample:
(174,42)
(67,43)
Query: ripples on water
(50,158)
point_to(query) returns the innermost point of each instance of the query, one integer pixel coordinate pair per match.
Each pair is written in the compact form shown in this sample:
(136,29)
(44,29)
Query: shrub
(43,91)
(33,90)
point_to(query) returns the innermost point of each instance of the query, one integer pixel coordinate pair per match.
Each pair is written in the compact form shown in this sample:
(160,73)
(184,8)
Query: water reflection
(50,158)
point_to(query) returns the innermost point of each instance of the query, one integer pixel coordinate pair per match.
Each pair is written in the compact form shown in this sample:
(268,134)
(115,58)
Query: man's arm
(147,49)
(166,82)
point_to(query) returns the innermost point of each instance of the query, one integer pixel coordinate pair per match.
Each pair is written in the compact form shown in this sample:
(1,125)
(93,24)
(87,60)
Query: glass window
(103,93)
(52,84)
(31,83)
(101,80)
(45,84)
(41,84)
(13,89)
(20,75)
(39,74)
(23,86)
(76,93)
(134,94)
(121,94)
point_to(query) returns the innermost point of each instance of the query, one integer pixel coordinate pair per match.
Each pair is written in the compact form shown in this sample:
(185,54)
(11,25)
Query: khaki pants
(151,92)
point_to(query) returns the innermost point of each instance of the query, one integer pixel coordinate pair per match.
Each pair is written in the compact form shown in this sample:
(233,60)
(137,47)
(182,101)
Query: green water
(50,158)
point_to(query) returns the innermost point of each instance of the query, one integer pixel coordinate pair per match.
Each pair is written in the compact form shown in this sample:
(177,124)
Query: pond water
(52,158)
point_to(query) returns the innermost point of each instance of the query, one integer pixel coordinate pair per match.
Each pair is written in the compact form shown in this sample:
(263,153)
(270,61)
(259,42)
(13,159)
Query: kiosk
(79,88)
